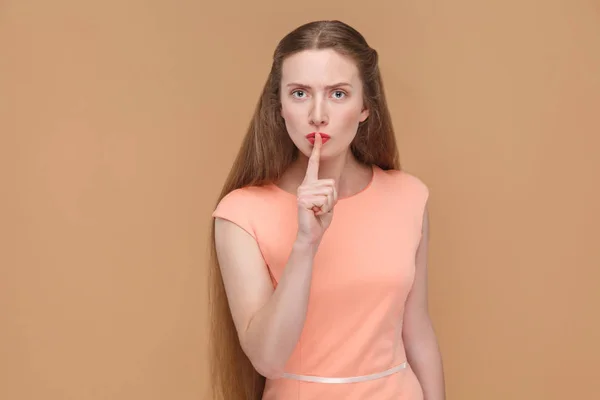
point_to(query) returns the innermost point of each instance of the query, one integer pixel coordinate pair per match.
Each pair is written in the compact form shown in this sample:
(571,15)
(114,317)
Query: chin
(326,153)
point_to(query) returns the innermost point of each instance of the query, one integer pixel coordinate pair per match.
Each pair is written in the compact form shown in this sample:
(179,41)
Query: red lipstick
(311,137)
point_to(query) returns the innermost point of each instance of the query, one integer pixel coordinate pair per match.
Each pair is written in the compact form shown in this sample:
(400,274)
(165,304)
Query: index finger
(312,170)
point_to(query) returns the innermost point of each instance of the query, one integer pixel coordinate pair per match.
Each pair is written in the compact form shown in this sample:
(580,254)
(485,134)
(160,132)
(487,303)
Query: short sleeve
(237,207)
(422,192)
(421,199)
(417,193)
(417,189)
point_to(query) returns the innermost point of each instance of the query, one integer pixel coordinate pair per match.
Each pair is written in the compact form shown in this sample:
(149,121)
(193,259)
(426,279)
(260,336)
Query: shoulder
(404,182)
(243,206)
(250,196)
(410,193)
(237,197)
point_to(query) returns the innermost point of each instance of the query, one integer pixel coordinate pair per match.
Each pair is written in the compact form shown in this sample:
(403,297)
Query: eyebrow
(326,87)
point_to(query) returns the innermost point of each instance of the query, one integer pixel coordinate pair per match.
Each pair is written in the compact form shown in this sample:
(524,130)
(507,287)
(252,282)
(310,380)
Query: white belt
(352,379)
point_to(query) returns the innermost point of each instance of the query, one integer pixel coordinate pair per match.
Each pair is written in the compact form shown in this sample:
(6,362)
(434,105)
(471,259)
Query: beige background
(119,121)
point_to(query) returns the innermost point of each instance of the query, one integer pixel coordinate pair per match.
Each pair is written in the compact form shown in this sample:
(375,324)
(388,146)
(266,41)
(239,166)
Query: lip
(311,137)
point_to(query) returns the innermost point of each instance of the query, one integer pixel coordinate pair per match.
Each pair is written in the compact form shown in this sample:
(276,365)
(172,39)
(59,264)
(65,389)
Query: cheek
(349,117)
(285,110)
(291,115)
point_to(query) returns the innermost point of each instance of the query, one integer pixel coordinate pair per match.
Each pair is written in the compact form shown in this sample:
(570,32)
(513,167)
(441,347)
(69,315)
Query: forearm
(275,329)
(425,359)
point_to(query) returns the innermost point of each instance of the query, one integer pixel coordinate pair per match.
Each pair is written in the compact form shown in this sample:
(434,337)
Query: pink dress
(363,272)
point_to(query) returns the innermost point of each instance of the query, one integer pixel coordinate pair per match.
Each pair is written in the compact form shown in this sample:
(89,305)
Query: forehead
(319,67)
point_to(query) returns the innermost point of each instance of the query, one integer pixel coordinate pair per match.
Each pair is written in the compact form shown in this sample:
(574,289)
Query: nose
(318,114)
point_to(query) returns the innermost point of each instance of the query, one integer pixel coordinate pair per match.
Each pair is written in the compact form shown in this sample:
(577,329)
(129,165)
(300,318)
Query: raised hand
(316,199)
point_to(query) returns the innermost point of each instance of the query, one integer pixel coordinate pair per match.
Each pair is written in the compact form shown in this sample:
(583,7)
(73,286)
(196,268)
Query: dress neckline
(362,192)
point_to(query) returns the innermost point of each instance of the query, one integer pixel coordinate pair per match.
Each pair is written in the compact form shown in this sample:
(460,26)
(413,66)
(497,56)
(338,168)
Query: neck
(345,169)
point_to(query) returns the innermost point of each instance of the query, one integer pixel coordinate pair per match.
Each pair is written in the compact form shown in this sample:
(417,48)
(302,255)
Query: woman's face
(321,92)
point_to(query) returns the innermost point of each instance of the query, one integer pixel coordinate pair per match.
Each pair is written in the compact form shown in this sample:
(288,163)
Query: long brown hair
(265,153)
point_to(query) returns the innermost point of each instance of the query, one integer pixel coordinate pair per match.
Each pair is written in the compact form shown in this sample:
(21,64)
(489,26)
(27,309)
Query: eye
(339,94)
(299,94)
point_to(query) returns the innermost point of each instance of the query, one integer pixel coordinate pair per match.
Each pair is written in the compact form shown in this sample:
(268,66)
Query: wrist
(306,245)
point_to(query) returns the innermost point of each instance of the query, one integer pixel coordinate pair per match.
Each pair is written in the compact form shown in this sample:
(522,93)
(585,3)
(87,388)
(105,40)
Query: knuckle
(304,204)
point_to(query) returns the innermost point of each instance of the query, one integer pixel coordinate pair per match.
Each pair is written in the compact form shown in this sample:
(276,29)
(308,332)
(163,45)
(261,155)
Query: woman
(318,278)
